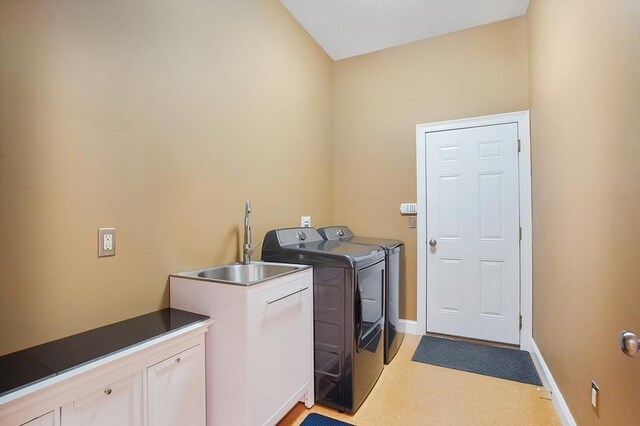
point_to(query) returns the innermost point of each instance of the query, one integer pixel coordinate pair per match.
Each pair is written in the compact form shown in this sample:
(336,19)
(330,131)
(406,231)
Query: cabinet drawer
(175,361)
(116,403)
(264,300)
(277,319)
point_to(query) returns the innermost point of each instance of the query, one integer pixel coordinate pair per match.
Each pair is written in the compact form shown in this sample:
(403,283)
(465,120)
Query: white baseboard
(408,326)
(547,380)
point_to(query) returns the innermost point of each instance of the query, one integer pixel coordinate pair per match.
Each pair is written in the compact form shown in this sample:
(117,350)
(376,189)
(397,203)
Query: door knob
(433,242)
(629,343)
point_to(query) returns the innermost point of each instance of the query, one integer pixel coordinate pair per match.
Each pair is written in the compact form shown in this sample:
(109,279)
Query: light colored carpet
(413,393)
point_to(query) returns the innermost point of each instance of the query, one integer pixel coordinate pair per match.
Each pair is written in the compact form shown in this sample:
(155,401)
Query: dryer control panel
(336,233)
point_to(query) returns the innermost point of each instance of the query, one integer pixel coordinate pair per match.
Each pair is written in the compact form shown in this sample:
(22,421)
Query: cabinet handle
(178,360)
(108,391)
(287,295)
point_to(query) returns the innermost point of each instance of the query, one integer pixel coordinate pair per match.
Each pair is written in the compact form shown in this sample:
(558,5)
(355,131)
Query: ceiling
(345,28)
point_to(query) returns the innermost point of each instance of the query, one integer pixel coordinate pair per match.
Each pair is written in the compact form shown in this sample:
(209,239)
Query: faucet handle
(250,249)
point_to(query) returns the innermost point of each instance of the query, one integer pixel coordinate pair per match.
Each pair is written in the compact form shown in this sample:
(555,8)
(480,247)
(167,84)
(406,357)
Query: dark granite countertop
(32,365)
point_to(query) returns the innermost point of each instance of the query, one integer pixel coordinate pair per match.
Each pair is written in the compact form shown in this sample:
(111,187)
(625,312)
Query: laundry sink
(241,274)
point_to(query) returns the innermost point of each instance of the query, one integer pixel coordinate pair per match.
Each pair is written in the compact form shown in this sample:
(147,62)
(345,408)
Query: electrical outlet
(106,242)
(305,221)
(594,395)
(413,221)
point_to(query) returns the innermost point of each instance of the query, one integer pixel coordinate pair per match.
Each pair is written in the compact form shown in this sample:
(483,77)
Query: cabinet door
(44,420)
(280,348)
(117,403)
(176,390)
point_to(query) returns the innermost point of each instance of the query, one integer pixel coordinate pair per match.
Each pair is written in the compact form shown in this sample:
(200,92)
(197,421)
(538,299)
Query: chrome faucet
(247,250)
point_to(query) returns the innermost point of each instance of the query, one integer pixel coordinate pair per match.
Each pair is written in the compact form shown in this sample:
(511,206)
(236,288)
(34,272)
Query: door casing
(521,118)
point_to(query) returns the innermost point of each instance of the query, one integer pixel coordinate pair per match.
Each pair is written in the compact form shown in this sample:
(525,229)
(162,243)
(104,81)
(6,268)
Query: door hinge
(520,322)
(520,234)
(519,145)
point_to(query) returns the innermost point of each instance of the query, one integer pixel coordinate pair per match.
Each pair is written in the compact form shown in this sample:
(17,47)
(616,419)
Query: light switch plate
(106,242)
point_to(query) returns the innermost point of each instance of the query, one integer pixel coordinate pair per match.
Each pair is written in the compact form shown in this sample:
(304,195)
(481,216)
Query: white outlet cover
(305,221)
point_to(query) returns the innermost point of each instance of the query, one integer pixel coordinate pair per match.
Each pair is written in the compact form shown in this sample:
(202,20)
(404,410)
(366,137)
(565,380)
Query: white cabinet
(117,403)
(158,382)
(259,355)
(176,390)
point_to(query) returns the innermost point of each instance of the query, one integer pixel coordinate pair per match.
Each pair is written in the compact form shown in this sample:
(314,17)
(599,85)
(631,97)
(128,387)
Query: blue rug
(503,363)
(315,419)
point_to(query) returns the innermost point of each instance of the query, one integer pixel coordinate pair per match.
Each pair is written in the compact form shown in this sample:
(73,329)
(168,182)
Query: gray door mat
(503,363)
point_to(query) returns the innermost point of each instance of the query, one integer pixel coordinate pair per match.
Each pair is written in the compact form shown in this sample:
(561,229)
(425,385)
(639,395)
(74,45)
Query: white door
(473,230)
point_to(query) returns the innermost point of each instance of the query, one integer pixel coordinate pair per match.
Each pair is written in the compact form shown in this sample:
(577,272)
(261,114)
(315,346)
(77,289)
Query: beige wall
(585,131)
(158,118)
(379,99)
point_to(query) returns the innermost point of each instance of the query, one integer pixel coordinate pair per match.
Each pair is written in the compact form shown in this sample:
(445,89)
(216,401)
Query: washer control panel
(291,236)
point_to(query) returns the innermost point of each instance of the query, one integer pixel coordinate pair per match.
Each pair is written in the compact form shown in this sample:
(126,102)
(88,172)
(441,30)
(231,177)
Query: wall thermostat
(409,208)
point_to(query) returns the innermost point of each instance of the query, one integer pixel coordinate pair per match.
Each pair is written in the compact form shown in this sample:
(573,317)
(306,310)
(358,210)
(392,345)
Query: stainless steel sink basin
(240,274)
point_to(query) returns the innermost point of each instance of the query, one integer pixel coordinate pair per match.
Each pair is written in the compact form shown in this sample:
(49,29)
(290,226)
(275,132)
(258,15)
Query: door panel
(491,202)
(452,292)
(449,206)
(492,288)
(473,269)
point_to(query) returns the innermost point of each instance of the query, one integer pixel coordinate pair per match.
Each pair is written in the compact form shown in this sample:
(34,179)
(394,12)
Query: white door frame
(521,118)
